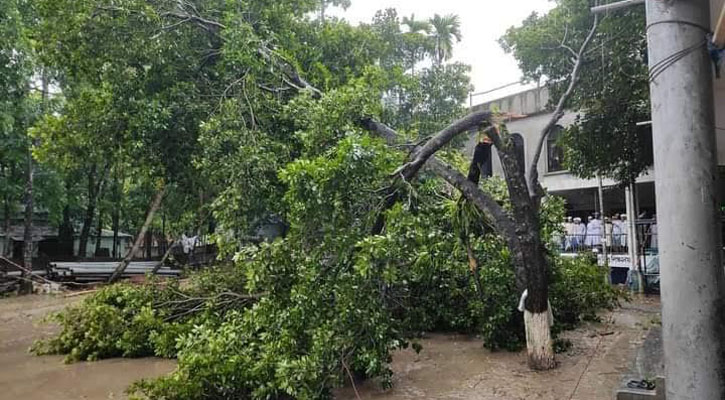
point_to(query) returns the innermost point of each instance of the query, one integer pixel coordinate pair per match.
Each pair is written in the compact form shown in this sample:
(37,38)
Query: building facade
(581,195)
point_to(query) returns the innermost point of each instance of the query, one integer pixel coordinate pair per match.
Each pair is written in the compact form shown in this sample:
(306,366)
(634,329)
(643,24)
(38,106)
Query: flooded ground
(27,377)
(449,366)
(458,367)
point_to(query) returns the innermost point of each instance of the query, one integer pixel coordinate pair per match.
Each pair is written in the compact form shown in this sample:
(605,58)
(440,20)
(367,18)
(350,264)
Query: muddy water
(449,367)
(457,367)
(27,377)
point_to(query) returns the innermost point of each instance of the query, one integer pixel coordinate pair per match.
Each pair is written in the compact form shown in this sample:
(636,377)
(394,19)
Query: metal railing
(617,243)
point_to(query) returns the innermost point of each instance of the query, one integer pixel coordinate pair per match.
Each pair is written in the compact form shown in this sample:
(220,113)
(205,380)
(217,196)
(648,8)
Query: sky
(482,23)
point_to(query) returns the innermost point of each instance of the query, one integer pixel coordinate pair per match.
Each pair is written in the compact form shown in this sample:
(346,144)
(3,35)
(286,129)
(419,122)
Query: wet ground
(27,377)
(457,367)
(449,366)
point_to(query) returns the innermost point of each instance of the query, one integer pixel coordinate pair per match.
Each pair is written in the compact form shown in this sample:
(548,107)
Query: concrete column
(692,280)
(605,238)
(631,234)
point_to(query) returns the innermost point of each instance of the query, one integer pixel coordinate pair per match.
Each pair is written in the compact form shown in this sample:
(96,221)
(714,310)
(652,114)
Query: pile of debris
(64,273)
(94,271)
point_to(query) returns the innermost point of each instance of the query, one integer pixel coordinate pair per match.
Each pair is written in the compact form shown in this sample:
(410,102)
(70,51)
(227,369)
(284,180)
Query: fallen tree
(520,227)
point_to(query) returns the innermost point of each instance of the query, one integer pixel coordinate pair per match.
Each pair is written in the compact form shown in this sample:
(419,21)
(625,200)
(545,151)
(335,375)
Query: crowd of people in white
(611,232)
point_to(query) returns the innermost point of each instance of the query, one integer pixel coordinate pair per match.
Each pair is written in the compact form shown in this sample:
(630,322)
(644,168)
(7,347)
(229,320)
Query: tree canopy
(613,93)
(245,112)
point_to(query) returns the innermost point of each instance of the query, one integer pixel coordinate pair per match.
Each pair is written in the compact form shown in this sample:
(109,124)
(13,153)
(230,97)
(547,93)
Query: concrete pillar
(636,280)
(692,277)
(605,239)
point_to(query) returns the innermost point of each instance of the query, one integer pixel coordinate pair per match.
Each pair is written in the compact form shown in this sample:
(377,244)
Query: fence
(617,243)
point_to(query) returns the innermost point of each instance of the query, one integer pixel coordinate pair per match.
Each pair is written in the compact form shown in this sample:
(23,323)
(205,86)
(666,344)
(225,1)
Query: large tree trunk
(139,237)
(65,234)
(26,285)
(520,228)
(99,232)
(526,214)
(539,343)
(148,241)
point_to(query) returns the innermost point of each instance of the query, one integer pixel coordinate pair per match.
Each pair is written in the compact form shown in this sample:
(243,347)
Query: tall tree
(324,4)
(446,28)
(613,90)
(416,42)
(20,108)
(521,226)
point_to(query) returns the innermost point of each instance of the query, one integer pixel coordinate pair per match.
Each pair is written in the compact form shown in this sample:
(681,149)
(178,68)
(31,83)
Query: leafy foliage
(578,292)
(333,303)
(207,106)
(613,90)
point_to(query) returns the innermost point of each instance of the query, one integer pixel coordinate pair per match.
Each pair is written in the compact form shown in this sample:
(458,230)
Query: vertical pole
(605,238)
(632,242)
(692,277)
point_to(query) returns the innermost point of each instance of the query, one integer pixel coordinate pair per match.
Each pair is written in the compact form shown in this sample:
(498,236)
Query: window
(518,142)
(554,151)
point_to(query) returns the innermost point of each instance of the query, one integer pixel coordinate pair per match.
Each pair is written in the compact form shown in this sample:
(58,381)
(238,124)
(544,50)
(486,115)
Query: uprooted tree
(240,59)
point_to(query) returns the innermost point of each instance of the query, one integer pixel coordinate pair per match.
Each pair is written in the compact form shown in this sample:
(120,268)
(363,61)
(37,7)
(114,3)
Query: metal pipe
(692,279)
(615,6)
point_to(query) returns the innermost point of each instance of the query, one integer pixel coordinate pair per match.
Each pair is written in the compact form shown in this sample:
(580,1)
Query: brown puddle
(449,366)
(28,377)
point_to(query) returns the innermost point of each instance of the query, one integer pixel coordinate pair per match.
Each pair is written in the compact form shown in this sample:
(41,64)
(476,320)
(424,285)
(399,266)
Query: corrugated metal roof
(39,232)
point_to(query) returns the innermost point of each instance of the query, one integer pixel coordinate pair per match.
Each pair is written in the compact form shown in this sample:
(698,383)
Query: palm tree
(445,29)
(416,26)
(416,41)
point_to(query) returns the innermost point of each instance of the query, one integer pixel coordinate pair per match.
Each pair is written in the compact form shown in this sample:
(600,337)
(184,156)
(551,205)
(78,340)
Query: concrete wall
(532,103)
(124,242)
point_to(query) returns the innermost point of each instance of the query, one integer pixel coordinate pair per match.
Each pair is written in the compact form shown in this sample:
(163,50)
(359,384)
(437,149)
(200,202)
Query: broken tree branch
(500,219)
(139,238)
(440,139)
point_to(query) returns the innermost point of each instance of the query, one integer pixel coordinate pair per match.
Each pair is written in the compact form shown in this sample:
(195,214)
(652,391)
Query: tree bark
(95,188)
(147,244)
(538,340)
(65,230)
(115,221)
(6,225)
(139,237)
(65,234)
(167,253)
(26,285)
(520,229)
(90,212)
(116,215)
(99,232)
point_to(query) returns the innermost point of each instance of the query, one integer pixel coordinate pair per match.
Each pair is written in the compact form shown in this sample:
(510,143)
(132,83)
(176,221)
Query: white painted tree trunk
(539,343)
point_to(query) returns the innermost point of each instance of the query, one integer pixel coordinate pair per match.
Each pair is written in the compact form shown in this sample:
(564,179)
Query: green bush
(579,289)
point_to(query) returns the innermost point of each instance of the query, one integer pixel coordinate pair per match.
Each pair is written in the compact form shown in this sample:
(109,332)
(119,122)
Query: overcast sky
(482,23)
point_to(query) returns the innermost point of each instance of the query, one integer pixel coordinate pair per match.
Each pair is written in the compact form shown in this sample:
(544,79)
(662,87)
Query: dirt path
(457,367)
(27,377)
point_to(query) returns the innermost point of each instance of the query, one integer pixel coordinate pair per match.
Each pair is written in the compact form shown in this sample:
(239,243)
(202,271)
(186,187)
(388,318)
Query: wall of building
(532,104)
(125,243)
